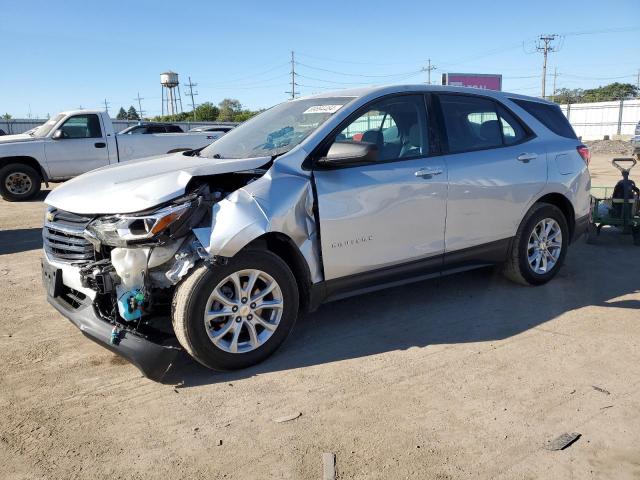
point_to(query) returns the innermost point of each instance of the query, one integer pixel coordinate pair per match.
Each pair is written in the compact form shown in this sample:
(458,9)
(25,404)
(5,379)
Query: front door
(391,211)
(82,147)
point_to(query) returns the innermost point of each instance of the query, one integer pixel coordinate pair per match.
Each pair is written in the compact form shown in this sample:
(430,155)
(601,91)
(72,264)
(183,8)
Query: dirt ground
(464,377)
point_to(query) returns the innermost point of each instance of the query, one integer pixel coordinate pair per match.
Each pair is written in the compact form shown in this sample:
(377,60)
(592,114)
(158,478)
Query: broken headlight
(122,230)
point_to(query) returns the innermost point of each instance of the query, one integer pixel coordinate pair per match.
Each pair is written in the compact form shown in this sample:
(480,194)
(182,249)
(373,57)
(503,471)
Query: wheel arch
(565,206)
(284,247)
(25,160)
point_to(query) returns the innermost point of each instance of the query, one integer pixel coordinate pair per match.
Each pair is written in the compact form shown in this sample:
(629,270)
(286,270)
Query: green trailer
(617,206)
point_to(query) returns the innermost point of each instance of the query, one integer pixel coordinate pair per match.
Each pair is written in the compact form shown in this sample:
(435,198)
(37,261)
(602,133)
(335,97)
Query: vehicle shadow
(20,240)
(476,306)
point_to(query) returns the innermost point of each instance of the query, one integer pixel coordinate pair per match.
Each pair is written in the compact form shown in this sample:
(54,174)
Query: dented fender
(281,202)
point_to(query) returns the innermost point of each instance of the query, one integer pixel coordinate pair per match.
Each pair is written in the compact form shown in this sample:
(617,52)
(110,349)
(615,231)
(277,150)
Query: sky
(62,55)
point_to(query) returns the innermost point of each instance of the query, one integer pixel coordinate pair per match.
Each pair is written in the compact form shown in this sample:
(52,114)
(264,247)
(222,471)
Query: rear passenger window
(471,123)
(475,123)
(549,115)
(512,130)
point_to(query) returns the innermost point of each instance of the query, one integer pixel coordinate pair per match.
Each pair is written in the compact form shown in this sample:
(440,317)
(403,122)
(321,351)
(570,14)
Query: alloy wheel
(544,246)
(243,311)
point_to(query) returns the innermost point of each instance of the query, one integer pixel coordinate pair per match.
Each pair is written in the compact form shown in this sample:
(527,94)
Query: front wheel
(236,315)
(19,182)
(539,246)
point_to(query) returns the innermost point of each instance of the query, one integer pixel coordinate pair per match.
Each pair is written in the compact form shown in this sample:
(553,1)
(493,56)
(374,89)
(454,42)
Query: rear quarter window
(549,115)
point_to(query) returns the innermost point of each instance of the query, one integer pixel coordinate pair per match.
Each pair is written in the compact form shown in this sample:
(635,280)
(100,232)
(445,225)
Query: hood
(21,137)
(134,186)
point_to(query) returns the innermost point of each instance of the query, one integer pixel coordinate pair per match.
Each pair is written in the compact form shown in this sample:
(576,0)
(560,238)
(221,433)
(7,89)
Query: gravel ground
(464,377)
(610,147)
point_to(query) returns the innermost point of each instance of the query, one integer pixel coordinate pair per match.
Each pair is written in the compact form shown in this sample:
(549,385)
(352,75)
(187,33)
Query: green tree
(132,114)
(245,115)
(206,112)
(7,116)
(613,91)
(229,108)
(122,114)
(564,96)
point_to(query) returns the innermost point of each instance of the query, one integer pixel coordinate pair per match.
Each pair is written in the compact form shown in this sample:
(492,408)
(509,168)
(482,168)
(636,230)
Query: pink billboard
(473,80)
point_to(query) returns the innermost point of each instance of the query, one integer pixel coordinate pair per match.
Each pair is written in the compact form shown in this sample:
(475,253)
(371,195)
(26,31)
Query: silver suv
(313,200)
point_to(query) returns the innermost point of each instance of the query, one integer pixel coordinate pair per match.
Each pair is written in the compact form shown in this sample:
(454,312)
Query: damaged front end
(113,276)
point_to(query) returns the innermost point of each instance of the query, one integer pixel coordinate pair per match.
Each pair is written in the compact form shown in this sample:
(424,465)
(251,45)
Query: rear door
(389,212)
(83,147)
(496,167)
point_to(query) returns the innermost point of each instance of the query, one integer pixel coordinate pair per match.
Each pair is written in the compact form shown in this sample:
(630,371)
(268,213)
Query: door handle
(100,145)
(526,157)
(428,172)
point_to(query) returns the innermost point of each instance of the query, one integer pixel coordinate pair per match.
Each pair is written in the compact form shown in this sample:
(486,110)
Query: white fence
(21,125)
(592,121)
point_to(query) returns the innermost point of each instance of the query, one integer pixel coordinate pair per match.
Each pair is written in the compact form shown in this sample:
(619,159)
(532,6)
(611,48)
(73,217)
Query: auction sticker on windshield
(323,109)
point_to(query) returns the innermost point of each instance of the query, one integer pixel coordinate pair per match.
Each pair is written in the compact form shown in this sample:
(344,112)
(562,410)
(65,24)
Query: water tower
(170,93)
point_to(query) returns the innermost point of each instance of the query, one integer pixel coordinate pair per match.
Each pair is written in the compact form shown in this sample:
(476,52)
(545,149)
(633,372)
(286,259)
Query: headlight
(120,230)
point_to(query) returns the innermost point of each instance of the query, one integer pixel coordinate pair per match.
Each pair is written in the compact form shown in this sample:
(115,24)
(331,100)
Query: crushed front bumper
(153,359)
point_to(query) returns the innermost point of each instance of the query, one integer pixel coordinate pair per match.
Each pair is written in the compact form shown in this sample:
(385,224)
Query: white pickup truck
(74,142)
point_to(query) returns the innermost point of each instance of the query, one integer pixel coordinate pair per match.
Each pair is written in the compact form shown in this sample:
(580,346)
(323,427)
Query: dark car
(148,128)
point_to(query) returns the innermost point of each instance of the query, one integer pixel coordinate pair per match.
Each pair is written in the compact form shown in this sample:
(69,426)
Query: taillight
(584,152)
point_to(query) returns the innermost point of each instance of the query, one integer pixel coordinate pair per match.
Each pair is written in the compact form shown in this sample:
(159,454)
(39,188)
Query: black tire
(517,266)
(26,174)
(190,301)
(636,236)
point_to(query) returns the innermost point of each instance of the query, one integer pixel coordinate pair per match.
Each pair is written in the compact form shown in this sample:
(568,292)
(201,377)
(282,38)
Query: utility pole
(429,69)
(140,111)
(293,76)
(555,76)
(106,106)
(544,46)
(191,94)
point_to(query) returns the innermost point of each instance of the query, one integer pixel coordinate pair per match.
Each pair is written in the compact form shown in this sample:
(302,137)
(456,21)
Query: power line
(335,60)
(192,94)
(249,77)
(335,72)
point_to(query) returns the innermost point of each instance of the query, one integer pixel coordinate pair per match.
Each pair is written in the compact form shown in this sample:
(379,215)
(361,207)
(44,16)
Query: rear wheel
(19,182)
(236,315)
(539,247)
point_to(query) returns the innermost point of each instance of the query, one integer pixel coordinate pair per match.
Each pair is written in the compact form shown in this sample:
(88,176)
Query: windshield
(277,130)
(44,129)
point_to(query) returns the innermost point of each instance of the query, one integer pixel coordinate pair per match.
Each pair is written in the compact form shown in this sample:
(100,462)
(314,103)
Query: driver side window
(82,126)
(397,126)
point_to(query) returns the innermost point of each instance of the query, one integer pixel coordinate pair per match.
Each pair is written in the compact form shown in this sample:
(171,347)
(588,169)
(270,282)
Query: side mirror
(343,153)
(58,135)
